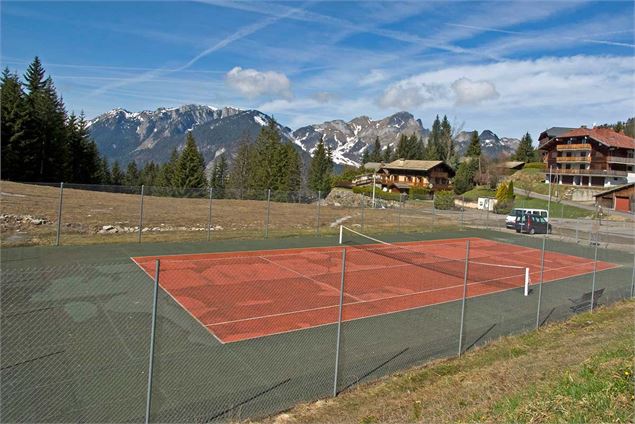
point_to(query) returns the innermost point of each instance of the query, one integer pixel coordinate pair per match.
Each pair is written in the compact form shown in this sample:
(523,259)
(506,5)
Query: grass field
(86,212)
(556,210)
(534,377)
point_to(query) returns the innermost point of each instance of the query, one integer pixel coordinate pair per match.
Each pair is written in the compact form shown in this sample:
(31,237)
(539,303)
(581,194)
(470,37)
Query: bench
(583,303)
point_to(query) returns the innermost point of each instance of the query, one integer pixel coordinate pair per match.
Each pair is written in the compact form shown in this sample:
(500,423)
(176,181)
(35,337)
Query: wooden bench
(583,303)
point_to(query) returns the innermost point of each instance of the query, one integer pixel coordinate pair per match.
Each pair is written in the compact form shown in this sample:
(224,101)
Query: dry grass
(184,219)
(577,371)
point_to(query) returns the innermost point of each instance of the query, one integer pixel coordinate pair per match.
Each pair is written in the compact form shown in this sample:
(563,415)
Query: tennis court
(245,295)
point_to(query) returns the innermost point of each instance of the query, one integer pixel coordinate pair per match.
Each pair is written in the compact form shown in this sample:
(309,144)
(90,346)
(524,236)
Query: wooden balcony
(620,159)
(591,172)
(573,159)
(569,147)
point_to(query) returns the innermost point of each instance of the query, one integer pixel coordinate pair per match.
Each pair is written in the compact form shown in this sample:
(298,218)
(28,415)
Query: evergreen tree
(132,177)
(240,170)
(149,175)
(265,159)
(474,148)
(525,151)
(105,176)
(465,174)
(432,150)
(189,170)
(365,157)
(421,149)
(375,155)
(408,147)
(166,173)
(290,169)
(319,178)
(13,115)
(218,180)
(446,139)
(388,154)
(82,157)
(117,176)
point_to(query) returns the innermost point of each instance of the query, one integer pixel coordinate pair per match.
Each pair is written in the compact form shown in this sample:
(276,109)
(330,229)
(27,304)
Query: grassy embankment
(580,370)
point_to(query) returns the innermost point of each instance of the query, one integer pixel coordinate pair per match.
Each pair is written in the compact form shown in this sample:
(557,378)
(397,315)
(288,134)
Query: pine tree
(474,148)
(218,180)
(132,177)
(240,170)
(289,169)
(525,151)
(82,157)
(13,115)
(375,155)
(365,157)
(117,176)
(165,177)
(465,174)
(265,160)
(105,176)
(149,174)
(189,171)
(446,139)
(388,154)
(319,178)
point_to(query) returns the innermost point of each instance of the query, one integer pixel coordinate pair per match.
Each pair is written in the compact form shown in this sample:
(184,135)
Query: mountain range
(152,135)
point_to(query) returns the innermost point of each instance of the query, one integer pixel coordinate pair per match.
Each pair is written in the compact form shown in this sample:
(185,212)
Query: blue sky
(510,67)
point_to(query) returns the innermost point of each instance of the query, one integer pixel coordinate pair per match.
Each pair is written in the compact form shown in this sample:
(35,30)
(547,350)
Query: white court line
(320,283)
(402,295)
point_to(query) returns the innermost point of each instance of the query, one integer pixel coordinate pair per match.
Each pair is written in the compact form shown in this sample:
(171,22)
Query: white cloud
(410,93)
(323,97)
(253,83)
(470,92)
(374,76)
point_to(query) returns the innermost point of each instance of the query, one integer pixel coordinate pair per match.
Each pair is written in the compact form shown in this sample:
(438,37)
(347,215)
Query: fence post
(59,216)
(399,214)
(633,279)
(595,264)
(467,261)
(317,225)
(577,229)
(141,215)
(339,323)
(542,255)
(267,216)
(209,214)
(153,328)
(462,209)
(362,205)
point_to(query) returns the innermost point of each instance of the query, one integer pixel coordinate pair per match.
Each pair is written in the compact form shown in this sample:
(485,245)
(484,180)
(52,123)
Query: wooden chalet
(400,175)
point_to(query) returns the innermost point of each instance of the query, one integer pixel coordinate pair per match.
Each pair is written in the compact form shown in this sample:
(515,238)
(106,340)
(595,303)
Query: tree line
(41,141)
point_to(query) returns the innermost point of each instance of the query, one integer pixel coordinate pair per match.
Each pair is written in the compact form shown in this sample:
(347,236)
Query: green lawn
(557,210)
(475,193)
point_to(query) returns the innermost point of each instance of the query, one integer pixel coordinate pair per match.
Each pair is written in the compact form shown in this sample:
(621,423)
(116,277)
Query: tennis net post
(526,281)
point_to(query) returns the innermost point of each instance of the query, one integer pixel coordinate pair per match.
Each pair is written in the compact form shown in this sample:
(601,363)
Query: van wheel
(532,231)
(549,231)
(518,231)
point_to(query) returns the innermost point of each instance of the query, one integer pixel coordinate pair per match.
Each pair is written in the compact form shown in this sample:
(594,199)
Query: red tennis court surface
(244,295)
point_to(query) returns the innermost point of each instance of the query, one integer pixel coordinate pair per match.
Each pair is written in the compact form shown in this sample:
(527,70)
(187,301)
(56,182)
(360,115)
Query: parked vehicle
(532,224)
(510,220)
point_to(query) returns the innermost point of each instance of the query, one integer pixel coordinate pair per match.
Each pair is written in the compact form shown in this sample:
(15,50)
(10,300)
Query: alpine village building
(594,157)
(402,174)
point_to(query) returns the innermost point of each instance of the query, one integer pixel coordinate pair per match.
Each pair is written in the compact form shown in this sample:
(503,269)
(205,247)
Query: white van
(510,220)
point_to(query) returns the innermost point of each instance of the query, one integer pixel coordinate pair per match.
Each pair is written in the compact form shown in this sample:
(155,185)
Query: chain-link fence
(244,334)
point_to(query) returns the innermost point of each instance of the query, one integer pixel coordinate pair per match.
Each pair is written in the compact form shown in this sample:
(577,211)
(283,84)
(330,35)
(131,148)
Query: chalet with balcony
(400,175)
(597,157)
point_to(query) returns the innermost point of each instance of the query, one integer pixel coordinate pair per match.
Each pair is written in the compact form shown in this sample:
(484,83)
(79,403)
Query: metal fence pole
(317,225)
(577,230)
(467,261)
(59,216)
(268,210)
(209,214)
(153,328)
(633,279)
(595,264)
(362,205)
(141,215)
(462,210)
(399,214)
(542,255)
(339,324)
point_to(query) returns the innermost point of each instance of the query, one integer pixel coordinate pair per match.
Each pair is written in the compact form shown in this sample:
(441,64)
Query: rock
(107,228)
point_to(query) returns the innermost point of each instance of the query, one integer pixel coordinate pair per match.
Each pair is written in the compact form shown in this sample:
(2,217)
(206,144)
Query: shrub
(444,200)
(419,193)
(504,207)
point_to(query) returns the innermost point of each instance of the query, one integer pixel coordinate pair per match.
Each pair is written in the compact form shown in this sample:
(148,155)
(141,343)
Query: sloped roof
(614,189)
(603,135)
(513,164)
(417,165)
(373,165)
(556,131)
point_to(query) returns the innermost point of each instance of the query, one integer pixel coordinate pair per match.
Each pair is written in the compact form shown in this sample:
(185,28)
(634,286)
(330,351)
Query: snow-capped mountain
(348,140)
(152,135)
(491,144)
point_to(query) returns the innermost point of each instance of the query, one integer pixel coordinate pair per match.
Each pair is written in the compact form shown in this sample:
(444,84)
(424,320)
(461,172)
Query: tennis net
(502,276)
